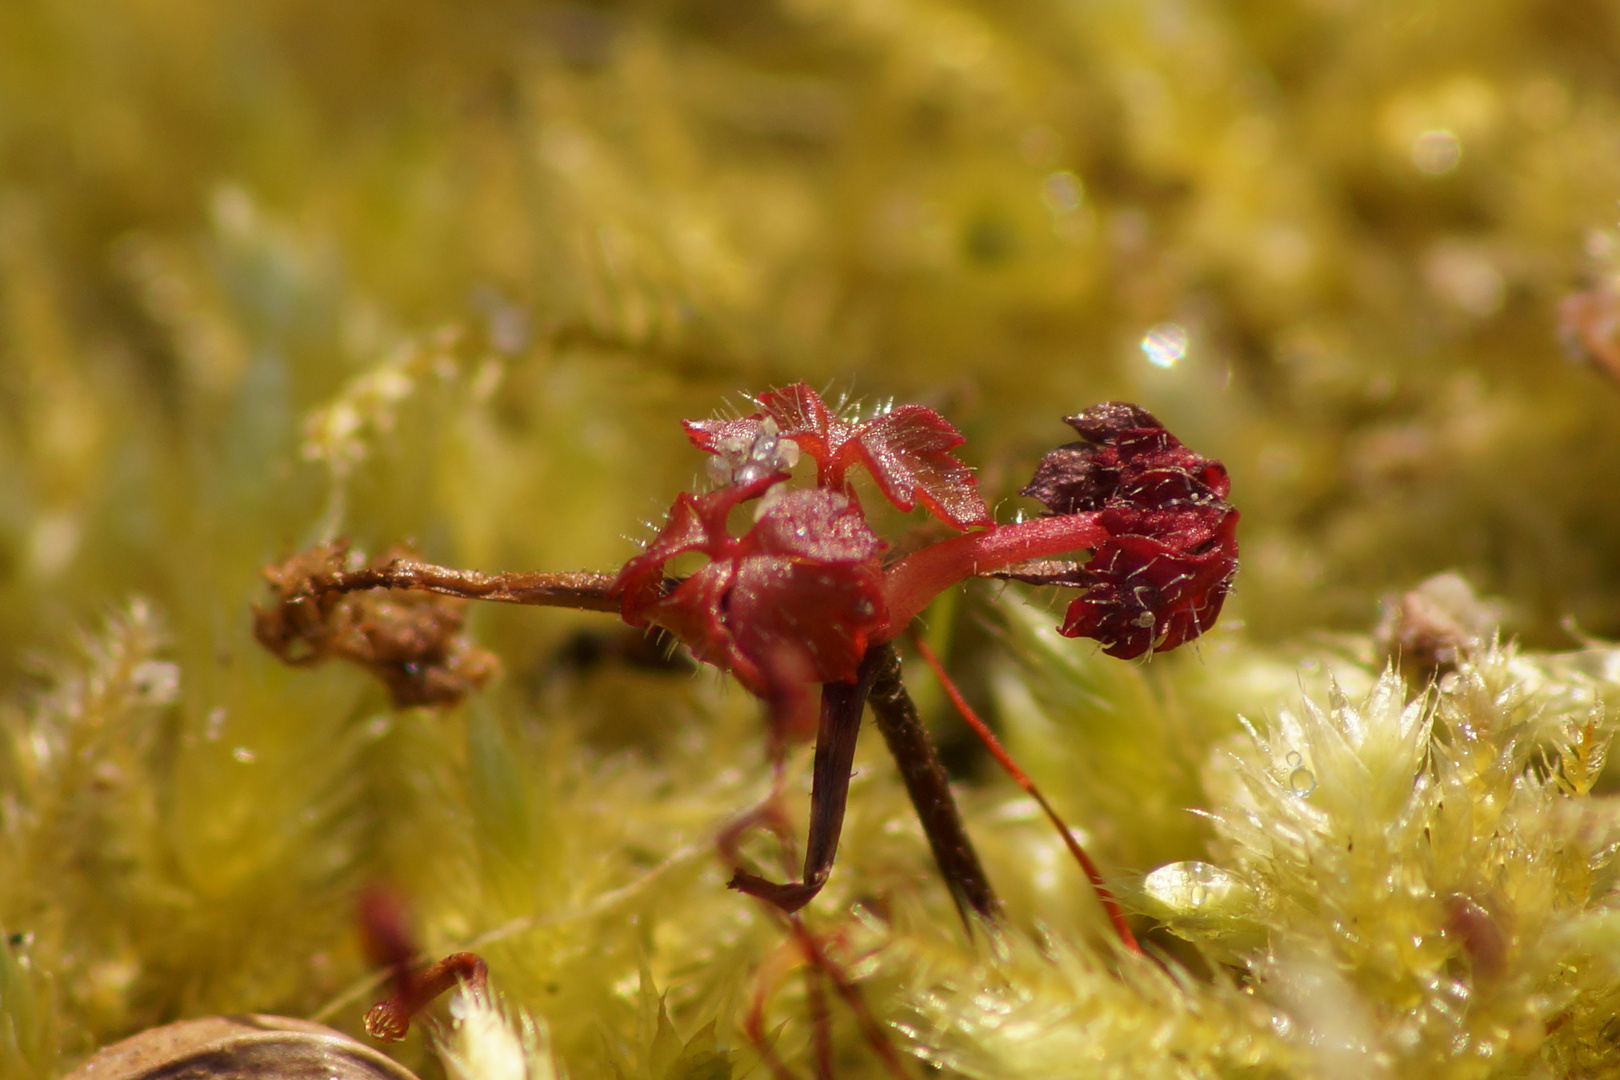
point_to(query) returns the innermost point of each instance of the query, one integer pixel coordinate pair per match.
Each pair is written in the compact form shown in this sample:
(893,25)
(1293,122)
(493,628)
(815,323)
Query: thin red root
(818,966)
(1116,914)
(770,976)
(876,1037)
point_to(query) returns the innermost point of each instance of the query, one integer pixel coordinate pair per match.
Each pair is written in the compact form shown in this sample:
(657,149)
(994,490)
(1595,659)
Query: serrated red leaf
(801,415)
(907,451)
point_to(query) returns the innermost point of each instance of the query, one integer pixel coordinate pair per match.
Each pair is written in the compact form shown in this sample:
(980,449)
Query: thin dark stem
(930,791)
(841,707)
(815,996)
(1116,914)
(583,590)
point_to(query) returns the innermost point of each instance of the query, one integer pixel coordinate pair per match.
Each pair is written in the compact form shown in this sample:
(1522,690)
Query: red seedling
(800,598)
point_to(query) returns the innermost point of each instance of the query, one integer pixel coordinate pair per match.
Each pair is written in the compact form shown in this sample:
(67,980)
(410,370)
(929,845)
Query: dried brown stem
(583,590)
(1116,914)
(913,751)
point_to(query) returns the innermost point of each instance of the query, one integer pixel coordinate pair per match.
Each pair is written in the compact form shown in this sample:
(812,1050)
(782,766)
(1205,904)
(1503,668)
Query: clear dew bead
(1302,782)
(1196,890)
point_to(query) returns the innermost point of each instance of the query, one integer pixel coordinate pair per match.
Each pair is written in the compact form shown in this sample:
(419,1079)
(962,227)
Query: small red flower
(1161,576)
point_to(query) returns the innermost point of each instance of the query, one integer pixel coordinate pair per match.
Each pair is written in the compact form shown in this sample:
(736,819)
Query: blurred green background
(452,272)
(1357,216)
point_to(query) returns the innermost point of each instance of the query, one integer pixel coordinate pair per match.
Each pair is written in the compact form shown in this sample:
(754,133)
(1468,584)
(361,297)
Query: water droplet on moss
(1302,782)
(1196,891)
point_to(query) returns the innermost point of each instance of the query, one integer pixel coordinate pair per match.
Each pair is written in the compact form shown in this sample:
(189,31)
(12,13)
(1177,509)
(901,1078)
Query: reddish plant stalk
(929,790)
(583,590)
(1115,914)
(390,1020)
(815,997)
(913,582)
(819,966)
(387,938)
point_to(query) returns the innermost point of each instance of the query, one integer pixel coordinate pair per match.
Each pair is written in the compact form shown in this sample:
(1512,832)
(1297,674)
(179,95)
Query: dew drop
(1195,890)
(1293,758)
(1165,345)
(1302,782)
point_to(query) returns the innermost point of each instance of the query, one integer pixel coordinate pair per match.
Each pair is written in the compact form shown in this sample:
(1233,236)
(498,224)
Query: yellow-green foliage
(272,271)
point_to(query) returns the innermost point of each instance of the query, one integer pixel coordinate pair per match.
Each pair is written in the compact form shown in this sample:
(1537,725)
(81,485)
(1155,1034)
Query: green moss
(274,271)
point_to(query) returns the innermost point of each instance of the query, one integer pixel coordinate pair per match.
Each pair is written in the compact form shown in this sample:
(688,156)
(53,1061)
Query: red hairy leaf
(908,453)
(907,450)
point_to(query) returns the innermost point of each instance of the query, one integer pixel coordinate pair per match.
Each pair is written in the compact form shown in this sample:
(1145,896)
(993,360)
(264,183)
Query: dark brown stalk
(930,791)
(842,705)
(1116,914)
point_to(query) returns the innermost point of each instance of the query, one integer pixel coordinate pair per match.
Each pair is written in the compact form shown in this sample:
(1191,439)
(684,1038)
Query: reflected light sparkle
(1165,345)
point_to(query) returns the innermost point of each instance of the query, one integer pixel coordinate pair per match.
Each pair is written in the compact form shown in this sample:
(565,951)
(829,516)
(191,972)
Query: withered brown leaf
(411,641)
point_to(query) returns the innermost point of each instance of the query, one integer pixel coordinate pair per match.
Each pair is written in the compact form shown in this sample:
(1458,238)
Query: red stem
(911,584)
(876,1037)
(389,1020)
(1115,914)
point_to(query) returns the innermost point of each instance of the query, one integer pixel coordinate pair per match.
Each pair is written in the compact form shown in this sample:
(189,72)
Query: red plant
(798,596)
(801,594)
(801,597)
(791,603)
